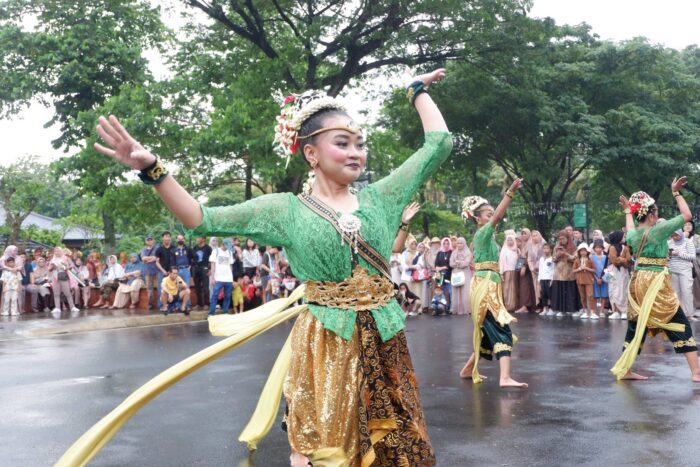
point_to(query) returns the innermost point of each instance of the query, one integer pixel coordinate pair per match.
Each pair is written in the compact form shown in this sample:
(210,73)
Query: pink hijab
(448,242)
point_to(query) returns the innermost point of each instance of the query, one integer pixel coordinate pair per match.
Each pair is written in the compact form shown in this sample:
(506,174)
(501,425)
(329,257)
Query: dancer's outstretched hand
(515,186)
(122,147)
(624,202)
(427,78)
(678,183)
(410,211)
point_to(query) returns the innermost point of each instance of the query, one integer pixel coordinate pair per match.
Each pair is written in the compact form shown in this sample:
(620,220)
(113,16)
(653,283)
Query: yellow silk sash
(626,360)
(241,328)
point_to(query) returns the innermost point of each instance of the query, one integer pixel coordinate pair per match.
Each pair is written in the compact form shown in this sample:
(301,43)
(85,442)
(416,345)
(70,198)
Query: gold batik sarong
(356,402)
(486,297)
(652,303)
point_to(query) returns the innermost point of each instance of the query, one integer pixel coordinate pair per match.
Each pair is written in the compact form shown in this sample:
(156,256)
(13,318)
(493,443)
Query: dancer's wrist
(154,173)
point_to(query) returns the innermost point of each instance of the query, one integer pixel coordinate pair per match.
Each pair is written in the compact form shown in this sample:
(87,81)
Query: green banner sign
(580,216)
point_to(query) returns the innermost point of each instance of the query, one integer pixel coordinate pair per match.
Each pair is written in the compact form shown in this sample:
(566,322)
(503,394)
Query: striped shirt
(683,262)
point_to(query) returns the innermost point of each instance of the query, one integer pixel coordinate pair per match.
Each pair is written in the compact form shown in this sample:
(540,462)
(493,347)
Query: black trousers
(545,293)
(682,342)
(201,284)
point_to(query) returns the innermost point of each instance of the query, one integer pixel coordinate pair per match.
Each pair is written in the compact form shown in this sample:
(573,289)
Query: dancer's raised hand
(515,186)
(122,147)
(427,78)
(624,202)
(678,183)
(410,211)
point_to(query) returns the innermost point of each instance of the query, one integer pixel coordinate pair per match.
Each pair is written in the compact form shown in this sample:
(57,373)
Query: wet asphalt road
(574,413)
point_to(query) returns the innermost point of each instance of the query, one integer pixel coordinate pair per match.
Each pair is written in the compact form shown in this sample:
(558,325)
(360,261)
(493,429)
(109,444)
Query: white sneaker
(560,314)
(56,311)
(615,315)
(594,316)
(5,313)
(550,312)
(583,315)
(624,316)
(577,314)
(75,310)
(413,313)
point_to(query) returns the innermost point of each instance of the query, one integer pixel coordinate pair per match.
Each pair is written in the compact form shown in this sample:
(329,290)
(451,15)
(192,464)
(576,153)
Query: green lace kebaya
(313,246)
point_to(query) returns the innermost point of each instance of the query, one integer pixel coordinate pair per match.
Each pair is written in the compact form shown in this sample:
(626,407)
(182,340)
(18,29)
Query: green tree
(329,43)
(22,186)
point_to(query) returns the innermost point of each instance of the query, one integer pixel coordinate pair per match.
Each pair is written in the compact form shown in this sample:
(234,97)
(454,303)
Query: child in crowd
(11,280)
(545,276)
(585,272)
(439,304)
(237,299)
(408,300)
(600,287)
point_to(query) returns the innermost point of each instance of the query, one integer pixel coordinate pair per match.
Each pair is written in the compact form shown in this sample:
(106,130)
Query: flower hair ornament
(640,203)
(296,109)
(470,205)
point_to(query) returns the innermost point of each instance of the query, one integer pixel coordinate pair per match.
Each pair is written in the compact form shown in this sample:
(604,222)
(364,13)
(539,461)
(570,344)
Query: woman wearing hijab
(598,235)
(442,266)
(430,257)
(63,282)
(619,261)
(526,287)
(412,261)
(507,263)
(130,284)
(534,253)
(461,262)
(564,291)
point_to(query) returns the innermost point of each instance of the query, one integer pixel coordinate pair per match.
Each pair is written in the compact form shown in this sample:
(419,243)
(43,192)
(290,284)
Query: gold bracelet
(628,211)
(403,227)
(510,194)
(676,194)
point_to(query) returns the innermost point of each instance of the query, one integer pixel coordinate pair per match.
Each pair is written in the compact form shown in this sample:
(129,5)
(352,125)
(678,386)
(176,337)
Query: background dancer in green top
(492,334)
(351,390)
(653,305)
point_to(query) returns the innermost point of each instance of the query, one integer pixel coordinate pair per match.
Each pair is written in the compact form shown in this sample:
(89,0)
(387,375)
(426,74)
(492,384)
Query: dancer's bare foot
(631,375)
(298,460)
(695,377)
(466,371)
(511,383)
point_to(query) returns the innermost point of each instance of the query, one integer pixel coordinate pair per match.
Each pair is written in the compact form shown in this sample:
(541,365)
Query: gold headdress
(471,205)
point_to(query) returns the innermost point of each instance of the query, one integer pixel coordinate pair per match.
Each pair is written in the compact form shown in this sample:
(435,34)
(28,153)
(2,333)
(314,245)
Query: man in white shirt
(545,276)
(221,261)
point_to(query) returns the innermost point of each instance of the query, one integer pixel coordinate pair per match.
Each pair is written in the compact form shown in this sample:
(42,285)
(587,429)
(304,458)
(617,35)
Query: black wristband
(154,173)
(414,90)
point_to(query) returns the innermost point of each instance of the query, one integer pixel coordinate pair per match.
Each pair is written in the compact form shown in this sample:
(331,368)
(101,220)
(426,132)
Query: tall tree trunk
(15,228)
(426,221)
(248,179)
(110,233)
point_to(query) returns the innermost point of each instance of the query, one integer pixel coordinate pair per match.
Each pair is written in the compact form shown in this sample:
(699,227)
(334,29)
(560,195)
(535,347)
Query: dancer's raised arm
(430,115)
(125,149)
(502,207)
(676,186)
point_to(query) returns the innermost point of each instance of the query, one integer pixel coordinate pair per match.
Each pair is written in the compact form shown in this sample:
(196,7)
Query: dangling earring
(309,183)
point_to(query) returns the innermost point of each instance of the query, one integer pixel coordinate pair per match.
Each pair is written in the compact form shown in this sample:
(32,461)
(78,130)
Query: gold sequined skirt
(666,302)
(358,398)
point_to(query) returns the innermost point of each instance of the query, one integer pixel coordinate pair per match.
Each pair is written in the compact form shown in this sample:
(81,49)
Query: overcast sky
(672,23)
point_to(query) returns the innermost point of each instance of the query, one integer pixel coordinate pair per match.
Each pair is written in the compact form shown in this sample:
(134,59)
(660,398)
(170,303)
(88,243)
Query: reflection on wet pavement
(573,414)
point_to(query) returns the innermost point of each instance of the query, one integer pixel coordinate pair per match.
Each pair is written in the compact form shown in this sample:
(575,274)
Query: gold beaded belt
(487,266)
(359,292)
(652,262)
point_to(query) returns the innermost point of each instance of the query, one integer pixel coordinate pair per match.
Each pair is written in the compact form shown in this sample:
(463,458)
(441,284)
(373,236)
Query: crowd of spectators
(566,276)
(217,273)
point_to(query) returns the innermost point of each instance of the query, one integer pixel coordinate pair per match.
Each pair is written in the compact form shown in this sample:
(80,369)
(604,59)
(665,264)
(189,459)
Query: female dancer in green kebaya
(653,305)
(350,388)
(492,335)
